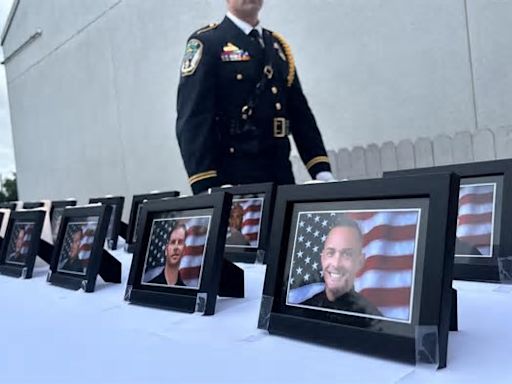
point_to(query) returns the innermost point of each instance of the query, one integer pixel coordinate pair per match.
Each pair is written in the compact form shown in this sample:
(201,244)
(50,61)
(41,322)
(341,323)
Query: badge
(193,54)
(231,52)
(280,51)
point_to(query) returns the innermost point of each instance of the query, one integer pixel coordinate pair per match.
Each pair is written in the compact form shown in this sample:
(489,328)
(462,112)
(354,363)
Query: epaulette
(209,27)
(288,52)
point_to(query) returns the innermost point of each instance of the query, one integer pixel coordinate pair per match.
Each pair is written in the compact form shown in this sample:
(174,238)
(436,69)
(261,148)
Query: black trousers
(268,166)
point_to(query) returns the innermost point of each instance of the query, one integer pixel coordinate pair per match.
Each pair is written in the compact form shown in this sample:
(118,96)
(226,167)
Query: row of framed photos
(364,265)
(347,260)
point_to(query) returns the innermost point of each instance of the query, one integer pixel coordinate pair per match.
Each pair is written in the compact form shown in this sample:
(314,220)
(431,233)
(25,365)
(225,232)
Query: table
(53,335)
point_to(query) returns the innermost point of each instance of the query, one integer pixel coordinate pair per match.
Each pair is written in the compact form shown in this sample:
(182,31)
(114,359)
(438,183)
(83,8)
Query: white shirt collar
(243,25)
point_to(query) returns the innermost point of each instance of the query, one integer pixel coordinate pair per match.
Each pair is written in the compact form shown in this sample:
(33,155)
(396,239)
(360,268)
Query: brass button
(278,106)
(231,150)
(239,76)
(274,90)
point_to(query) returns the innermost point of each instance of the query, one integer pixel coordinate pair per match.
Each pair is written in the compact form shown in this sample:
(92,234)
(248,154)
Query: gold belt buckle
(279,127)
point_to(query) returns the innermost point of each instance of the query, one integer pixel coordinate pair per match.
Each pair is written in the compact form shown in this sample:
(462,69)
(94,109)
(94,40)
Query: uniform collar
(243,25)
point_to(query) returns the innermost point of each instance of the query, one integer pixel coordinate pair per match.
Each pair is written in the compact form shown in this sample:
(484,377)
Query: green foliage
(9,189)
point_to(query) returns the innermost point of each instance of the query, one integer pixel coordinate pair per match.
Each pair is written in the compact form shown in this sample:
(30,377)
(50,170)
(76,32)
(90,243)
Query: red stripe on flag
(387,297)
(477,240)
(190,273)
(252,208)
(250,222)
(194,250)
(386,263)
(475,219)
(252,236)
(361,215)
(390,233)
(197,230)
(474,198)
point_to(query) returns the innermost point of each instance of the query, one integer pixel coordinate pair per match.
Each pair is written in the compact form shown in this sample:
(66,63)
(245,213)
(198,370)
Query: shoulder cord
(289,56)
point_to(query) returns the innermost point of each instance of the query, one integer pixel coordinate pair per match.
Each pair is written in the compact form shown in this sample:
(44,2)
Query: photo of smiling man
(358,262)
(341,259)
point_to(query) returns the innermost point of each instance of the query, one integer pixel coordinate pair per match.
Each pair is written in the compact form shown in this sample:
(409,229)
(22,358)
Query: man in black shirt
(341,259)
(174,249)
(18,256)
(73,263)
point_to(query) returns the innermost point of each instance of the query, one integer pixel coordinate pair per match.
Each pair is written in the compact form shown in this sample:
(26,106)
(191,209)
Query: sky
(6,149)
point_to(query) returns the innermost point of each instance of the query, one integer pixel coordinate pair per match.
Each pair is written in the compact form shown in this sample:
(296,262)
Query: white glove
(325,176)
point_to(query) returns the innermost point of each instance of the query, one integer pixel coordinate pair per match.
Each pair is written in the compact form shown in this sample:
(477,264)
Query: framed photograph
(78,255)
(135,216)
(482,247)
(249,222)
(9,205)
(21,243)
(114,225)
(32,204)
(363,265)
(178,258)
(56,212)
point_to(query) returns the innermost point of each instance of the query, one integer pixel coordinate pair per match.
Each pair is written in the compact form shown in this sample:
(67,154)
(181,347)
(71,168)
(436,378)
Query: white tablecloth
(52,335)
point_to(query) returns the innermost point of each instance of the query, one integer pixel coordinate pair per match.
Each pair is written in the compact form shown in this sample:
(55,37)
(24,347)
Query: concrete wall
(93,99)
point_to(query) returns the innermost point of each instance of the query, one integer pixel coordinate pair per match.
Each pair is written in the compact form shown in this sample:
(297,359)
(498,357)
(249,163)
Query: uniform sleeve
(197,137)
(305,132)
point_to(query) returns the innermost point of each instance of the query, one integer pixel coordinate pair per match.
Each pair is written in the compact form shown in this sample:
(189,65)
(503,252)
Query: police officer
(239,98)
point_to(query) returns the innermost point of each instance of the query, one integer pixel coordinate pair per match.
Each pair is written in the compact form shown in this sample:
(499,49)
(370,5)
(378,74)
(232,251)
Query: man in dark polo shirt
(174,250)
(341,259)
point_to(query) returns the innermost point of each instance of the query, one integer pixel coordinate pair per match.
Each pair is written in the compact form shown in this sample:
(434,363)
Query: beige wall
(93,98)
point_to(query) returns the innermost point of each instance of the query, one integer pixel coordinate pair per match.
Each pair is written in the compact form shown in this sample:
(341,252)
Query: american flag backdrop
(476,217)
(88,229)
(193,256)
(251,221)
(389,247)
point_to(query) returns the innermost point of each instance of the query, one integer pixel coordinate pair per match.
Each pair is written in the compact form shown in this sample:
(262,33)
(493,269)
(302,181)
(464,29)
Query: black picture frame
(499,173)
(431,297)
(117,204)
(249,192)
(217,276)
(135,211)
(100,261)
(9,205)
(21,223)
(32,204)
(56,210)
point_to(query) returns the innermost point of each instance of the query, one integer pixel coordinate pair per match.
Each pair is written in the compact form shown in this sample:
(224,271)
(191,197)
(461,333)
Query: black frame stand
(45,251)
(110,267)
(232,281)
(123,230)
(454,317)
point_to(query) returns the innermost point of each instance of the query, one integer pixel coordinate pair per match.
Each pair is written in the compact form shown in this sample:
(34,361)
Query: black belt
(280,127)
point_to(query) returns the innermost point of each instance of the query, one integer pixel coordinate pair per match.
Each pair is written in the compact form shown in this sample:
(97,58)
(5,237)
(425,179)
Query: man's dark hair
(345,221)
(178,226)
